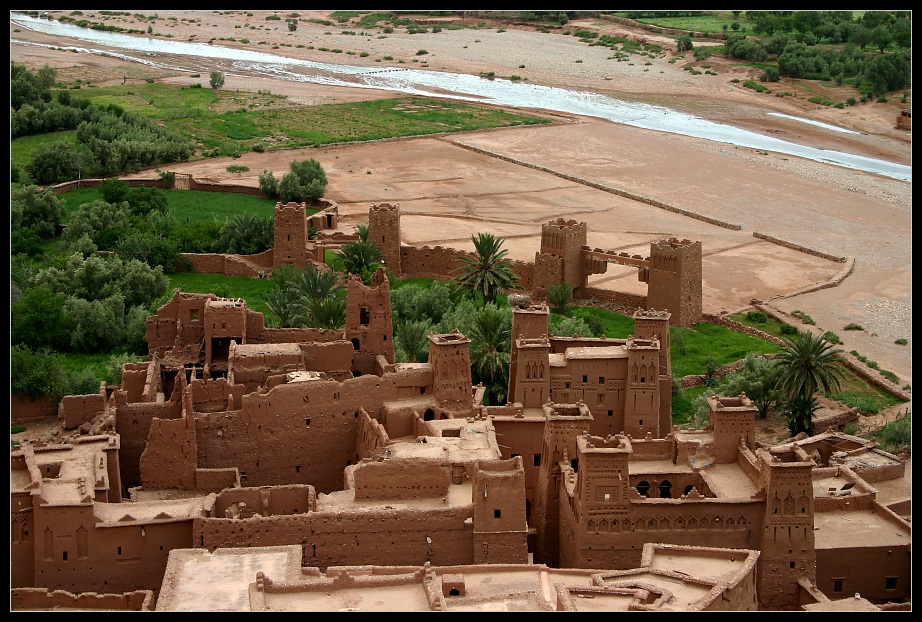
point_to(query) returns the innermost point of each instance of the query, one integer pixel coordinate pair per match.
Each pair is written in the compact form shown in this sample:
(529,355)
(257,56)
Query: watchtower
(674,280)
(368,322)
(290,228)
(384,232)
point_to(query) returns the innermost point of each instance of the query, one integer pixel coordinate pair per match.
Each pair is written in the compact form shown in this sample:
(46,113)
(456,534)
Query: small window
(793,565)
(243,474)
(611,413)
(585,379)
(497,513)
(890,583)
(65,555)
(607,497)
(537,460)
(566,385)
(601,379)
(838,585)
(307,422)
(600,398)
(119,550)
(641,422)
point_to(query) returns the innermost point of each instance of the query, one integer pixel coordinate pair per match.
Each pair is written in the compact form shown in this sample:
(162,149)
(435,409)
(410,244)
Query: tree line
(109,139)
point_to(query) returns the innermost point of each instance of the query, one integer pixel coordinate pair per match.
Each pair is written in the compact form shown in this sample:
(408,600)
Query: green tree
(684,42)
(283,302)
(411,339)
(881,38)
(245,234)
(360,258)
(327,312)
(36,208)
(572,327)
(488,271)
(38,319)
(806,365)
(103,222)
(489,350)
(216,80)
(758,380)
(559,294)
(268,184)
(35,372)
(315,283)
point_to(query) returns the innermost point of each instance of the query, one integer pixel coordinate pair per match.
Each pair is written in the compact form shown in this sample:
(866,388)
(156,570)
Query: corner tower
(290,228)
(674,280)
(384,232)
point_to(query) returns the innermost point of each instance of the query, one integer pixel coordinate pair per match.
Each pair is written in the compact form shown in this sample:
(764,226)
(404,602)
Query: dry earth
(446,191)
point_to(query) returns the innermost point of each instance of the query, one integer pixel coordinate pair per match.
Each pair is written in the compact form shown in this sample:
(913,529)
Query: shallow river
(459,86)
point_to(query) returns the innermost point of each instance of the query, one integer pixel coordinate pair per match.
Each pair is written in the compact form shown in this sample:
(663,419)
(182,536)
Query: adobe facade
(235,436)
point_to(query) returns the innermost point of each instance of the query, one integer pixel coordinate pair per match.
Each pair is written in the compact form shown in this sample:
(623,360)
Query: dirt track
(447,191)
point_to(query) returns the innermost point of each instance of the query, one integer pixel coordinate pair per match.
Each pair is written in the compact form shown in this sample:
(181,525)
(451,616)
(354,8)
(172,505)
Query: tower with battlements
(674,280)
(384,232)
(290,245)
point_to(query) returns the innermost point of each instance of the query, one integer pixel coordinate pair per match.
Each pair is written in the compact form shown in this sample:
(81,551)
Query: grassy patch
(245,118)
(711,340)
(250,289)
(189,205)
(856,392)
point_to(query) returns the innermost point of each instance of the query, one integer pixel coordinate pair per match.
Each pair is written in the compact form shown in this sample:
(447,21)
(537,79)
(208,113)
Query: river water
(457,86)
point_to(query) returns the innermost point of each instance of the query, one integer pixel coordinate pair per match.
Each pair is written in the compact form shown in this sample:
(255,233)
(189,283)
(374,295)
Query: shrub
(901,341)
(803,317)
(788,329)
(831,337)
(853,326)
(421,52)
(757,316)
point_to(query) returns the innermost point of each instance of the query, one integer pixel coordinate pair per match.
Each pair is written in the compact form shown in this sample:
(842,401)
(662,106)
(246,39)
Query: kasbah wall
(317,438)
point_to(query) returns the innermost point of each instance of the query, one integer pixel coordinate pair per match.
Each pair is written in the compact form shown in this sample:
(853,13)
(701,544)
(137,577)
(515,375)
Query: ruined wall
(74,410)
(371,437)
(296,433)
(401,479)
(216,480)
(385,537)
(133,423)
(169,461)
(24,408)
(36,599)
(624,299)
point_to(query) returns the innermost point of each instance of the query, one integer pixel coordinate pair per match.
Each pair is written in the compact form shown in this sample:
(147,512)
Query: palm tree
(360,257)
(807,364)
(315,283)
(489,349)
(285,304)
(488,271)
(327,312)
(412,337)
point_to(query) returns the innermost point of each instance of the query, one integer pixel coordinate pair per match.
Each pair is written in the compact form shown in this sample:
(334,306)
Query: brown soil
(447,191)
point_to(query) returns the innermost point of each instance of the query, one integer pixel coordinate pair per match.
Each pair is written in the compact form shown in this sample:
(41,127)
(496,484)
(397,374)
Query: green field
(190,205)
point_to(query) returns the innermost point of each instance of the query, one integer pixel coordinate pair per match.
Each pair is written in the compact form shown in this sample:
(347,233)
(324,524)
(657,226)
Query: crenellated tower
(674,280)
(788,546)
(384,232)
(368,322)
(290,228)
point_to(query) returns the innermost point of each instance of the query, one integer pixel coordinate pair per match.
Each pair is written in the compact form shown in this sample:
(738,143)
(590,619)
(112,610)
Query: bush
(421,52)
(853,326)
(831,337)
(788,329)
(757,316)
(901,341)
(559,294)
